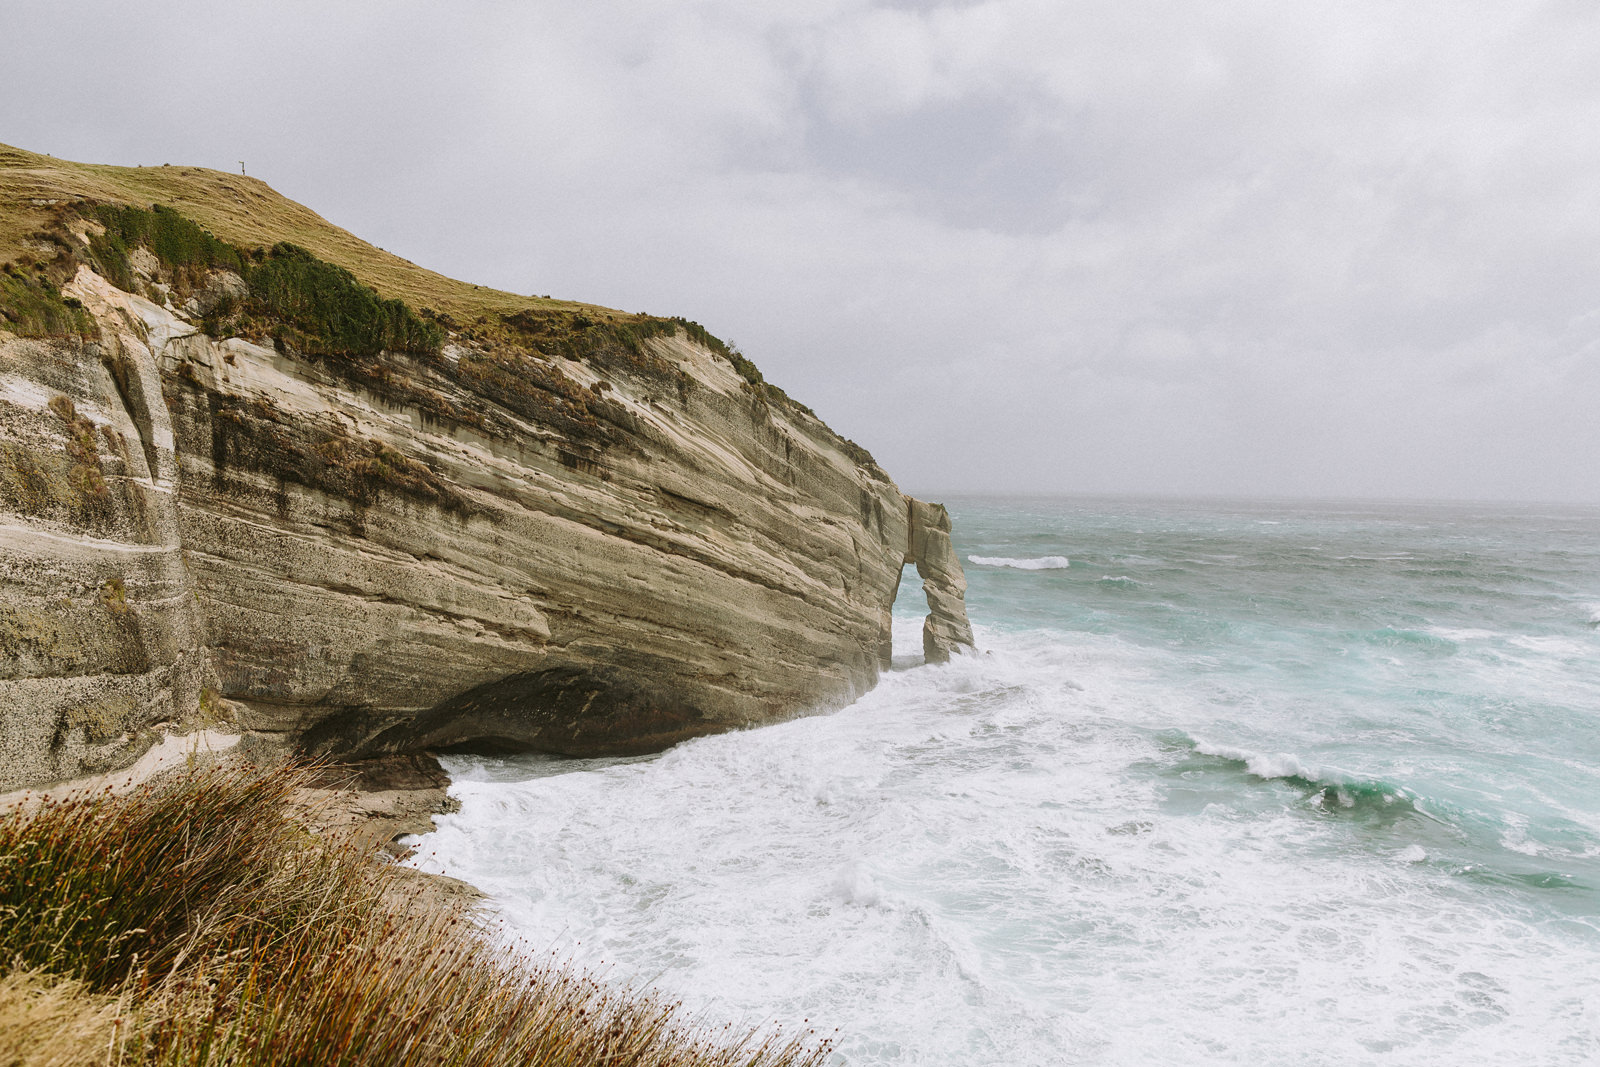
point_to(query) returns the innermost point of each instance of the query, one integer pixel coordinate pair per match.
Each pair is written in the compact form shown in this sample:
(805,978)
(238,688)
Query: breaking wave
(1331,788)
(1275,805)
(1037,563)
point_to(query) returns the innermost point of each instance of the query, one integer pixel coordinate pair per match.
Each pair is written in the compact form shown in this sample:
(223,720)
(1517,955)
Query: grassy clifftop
(242,211)
(222,220)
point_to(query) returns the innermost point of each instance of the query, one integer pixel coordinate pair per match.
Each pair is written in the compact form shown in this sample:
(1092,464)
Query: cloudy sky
(1236,247)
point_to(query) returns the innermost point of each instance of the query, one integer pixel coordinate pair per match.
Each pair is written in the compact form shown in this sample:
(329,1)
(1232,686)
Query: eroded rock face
(397,561)
(946,630)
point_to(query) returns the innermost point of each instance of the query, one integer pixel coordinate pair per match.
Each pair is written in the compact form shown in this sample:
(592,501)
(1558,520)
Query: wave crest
(1331,788)
(1036,563)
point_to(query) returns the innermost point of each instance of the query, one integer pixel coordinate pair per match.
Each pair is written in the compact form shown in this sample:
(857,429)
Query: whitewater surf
(1240,783)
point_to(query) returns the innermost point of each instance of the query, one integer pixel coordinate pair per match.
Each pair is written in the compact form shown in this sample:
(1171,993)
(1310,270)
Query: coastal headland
(263,481)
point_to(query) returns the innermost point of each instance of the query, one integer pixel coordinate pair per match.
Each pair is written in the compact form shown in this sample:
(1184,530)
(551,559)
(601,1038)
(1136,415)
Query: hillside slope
(258,475)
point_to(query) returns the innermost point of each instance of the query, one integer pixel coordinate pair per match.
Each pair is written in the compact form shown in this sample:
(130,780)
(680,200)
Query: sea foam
(1036,563)
(1260,819)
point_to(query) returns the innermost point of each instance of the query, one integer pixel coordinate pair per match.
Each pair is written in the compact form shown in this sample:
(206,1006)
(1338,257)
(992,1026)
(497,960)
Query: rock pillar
(946,629)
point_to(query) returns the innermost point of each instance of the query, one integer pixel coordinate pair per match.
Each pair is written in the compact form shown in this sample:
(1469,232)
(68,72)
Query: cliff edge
(259,477)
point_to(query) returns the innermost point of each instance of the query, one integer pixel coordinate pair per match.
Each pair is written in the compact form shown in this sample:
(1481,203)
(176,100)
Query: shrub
(182,246)
(323,310)
(310,303)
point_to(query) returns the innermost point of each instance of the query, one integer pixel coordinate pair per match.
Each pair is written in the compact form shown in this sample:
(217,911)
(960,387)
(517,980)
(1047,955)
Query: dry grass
(192,923)
(242,211)
(49,1022)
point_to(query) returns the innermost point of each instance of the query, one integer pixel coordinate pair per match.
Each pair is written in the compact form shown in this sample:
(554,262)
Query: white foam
(855,886)
(930,870)
(1261,764)
(1515,836)
(1036,563)
(1449,633)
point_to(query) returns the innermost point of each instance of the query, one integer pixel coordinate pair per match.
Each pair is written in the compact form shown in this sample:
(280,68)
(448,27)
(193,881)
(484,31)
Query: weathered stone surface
(334,561)
(946,629)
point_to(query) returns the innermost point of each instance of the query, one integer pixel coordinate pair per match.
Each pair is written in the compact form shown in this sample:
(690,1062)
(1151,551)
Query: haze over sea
(1254,783)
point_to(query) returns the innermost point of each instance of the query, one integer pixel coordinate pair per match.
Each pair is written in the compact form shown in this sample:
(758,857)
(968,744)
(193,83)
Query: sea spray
(1318,784)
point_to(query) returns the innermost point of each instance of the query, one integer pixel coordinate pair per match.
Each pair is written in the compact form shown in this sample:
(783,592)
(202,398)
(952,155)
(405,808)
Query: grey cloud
(1016,244)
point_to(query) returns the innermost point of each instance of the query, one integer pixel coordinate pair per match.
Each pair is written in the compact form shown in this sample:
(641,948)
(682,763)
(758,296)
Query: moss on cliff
(83,448)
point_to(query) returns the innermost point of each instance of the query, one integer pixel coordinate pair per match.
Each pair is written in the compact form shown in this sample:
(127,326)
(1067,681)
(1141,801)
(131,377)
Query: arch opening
(907,617)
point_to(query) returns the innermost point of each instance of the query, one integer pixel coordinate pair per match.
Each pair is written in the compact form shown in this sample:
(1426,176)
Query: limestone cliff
(549,527)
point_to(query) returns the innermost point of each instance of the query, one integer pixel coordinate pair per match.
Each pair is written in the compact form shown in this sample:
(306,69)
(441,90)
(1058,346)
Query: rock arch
(946,630)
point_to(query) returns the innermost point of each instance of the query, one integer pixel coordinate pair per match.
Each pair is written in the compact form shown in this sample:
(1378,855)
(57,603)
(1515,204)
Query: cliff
(260,477)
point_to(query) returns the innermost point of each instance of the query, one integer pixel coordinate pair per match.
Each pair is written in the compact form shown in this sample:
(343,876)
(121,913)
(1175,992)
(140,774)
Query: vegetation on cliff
(31,305)
(193,922)
(311,285)
(314,306)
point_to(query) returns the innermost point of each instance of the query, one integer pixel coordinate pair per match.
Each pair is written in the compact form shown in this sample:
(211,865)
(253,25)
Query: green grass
(244,213)
(222,933)
(31,305)
(36,189)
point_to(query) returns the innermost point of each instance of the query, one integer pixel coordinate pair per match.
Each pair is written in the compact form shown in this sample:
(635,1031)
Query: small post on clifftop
(241,166)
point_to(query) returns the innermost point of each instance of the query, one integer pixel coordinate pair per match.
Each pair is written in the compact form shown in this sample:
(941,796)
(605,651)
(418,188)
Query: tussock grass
(191,922)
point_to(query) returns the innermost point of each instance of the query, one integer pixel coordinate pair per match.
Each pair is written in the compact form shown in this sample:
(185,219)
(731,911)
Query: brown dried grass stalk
(192,923)
(49,1022)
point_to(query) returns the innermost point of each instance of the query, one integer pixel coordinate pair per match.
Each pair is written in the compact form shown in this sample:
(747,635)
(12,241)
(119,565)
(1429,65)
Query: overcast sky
(1263,248)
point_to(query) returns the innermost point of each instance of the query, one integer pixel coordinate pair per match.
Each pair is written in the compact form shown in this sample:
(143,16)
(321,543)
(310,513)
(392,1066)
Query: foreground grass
(192,922)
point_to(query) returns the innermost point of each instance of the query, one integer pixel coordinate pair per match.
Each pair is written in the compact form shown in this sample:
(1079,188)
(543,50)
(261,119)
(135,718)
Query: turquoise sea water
(1254,783)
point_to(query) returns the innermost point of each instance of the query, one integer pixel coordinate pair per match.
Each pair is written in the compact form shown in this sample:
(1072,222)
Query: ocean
(1226,783)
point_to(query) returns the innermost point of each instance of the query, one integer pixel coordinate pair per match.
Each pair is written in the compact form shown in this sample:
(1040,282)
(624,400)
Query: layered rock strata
(197,531)
(945,630)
